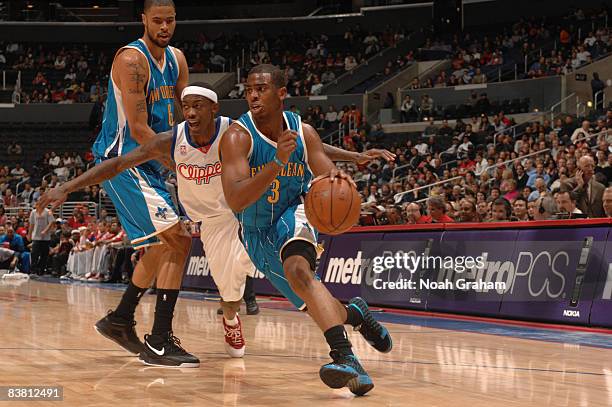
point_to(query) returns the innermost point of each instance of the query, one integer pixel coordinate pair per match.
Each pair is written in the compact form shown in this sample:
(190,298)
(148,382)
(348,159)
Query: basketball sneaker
(374,333)
(166,352)
(234,339)
(252,307)
(120,331)
(346,371)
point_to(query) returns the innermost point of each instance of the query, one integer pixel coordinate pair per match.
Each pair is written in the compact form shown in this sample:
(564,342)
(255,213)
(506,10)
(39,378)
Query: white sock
(231,322)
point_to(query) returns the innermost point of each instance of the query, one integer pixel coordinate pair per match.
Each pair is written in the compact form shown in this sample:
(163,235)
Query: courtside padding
(540,263)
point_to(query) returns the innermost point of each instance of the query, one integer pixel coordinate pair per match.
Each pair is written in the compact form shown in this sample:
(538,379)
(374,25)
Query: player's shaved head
(158,3)
(278,75)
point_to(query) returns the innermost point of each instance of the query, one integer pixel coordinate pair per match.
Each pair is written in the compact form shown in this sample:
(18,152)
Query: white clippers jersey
(198,173)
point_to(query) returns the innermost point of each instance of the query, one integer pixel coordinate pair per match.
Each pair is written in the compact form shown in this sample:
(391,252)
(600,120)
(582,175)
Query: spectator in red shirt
(353,117)
(509,188)
(467,164)
(413,214)
(58,93)
(77,219)
(437,211)
(10,200)
(503,119)
(89,157)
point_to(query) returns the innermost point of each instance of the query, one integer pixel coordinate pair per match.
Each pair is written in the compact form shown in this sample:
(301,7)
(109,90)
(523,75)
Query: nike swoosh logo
(157,352)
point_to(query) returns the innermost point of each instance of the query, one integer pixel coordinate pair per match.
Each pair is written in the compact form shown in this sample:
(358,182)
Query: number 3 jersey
(198,174)
(115,137)
(287,190)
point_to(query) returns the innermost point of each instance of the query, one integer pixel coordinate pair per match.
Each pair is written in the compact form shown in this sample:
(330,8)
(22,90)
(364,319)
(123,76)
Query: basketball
(332,207)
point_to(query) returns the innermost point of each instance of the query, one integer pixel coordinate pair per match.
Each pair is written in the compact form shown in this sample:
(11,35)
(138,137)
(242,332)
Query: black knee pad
(301,248)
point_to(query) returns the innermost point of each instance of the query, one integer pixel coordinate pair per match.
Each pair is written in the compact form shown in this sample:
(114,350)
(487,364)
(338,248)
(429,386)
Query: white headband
(199,90)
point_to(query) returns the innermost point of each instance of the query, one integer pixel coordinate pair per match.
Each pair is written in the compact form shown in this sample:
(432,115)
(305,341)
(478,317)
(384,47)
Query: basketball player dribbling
(269,157)
(145,78)
(193,146)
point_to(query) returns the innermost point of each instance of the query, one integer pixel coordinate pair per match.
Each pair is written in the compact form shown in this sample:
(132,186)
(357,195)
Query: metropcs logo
(198,266)
(201,175)
(543,271)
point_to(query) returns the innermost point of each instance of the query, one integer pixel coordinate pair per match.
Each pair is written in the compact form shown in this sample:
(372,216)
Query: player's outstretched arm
(240,189)
(158,148)
(339,154)
(131,74)
(318,161)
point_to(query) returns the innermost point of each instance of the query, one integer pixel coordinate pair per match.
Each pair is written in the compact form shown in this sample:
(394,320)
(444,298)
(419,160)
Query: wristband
(278,162)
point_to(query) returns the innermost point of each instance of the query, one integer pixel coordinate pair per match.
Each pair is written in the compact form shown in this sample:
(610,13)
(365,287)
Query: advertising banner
(342,270)
(554,273)
(472,289)
(561,275)
(601,310)
(197,274)
(401,284)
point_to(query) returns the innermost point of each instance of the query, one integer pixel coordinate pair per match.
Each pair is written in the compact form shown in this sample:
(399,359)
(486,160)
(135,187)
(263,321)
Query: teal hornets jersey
(115,138)
(287,190)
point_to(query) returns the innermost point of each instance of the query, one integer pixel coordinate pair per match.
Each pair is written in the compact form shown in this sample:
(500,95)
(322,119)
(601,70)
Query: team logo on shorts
(183,149)
(161,212)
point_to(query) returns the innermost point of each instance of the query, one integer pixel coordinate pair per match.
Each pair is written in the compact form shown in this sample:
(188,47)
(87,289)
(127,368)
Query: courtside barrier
(550,271)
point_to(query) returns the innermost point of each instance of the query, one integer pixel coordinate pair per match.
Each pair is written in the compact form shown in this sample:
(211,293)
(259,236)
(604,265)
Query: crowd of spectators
(486,173)
(549,170)
(548,48)
(44,244)
(75,73)
(90,245)
(79,73)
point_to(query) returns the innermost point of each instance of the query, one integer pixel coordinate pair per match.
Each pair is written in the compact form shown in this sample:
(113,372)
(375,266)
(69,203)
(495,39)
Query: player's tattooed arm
(158,149)
(240,188)
(339,154)
(131,74)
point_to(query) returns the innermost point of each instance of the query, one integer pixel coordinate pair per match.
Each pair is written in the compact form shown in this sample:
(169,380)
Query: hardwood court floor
(47,338)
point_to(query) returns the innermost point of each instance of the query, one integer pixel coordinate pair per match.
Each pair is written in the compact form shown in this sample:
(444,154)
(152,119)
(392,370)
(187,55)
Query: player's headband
(198,90)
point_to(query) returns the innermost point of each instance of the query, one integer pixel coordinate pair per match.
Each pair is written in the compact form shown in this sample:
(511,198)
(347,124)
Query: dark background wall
(412,18)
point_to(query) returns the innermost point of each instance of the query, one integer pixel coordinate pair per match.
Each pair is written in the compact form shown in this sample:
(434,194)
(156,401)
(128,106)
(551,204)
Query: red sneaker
(234,339)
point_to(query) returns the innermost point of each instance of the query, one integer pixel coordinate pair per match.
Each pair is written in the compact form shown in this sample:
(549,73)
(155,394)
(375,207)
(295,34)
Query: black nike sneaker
(252,307)
(374,333)
(346,371)
(166,352)
(120,331)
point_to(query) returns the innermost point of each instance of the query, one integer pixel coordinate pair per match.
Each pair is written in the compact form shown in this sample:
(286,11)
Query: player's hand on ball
(369,155)
(53,197)
(286,144)
(336,173)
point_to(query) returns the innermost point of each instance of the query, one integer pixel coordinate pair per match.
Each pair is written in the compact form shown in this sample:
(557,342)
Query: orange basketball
(332,207)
